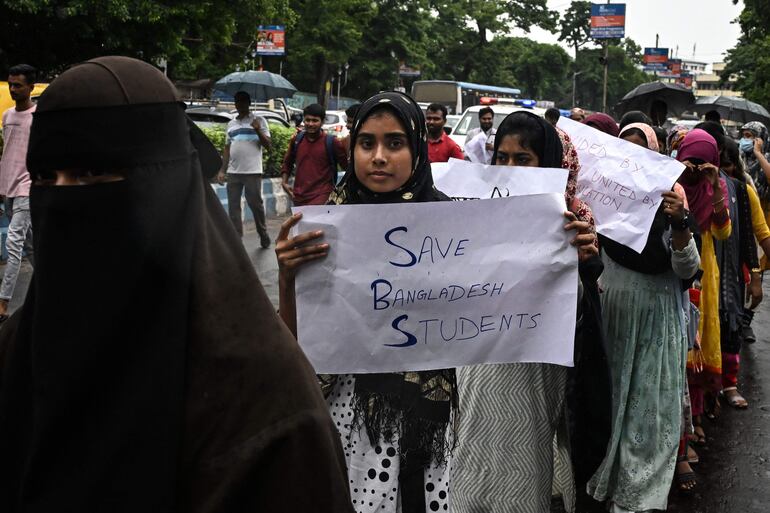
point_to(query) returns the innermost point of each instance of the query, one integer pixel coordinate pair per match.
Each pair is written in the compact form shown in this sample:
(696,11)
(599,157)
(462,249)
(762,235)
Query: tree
(398,32)
(462,35)
(575,25)
(623,76)
(748,61)
(540,70)
(197,38)
(326,37)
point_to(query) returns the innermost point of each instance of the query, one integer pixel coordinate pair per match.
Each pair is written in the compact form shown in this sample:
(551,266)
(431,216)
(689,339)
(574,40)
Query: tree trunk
(321,75)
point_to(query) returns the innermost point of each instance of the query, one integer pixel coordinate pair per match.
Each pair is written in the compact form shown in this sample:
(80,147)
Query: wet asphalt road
(734,468)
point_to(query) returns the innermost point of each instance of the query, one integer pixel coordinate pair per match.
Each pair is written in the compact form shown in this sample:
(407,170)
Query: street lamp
(574,85)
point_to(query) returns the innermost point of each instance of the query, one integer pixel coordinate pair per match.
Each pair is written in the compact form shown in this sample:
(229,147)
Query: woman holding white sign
(395,428)
(647,347)
(509,413)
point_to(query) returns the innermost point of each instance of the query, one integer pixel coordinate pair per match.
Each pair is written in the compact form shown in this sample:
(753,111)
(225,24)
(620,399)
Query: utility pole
(606,55)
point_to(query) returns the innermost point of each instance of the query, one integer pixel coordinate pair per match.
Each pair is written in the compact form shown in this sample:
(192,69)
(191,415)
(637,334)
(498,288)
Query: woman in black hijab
(396,426)
(147,370)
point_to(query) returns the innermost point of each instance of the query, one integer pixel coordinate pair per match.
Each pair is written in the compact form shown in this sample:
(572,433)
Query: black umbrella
(732,108)
(261,85)
(676,97)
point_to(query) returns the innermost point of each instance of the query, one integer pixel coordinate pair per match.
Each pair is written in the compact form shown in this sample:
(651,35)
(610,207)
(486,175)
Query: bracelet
(717,202)
(756,270)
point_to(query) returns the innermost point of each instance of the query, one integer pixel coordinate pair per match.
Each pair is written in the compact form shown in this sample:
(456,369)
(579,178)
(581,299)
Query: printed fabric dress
(374,469)
(646,348)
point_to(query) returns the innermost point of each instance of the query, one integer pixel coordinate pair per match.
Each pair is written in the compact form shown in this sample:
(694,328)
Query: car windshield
(331,119)
(470,120)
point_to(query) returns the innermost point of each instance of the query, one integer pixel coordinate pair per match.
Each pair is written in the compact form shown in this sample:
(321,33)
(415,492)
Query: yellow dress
(759,220)
(709,303)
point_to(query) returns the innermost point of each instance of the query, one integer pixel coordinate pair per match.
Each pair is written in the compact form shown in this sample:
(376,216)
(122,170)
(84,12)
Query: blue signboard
(655,59)
(608,21)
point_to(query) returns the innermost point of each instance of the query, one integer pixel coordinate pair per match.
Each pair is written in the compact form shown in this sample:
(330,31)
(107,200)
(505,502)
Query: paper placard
(621,182)
(460,179)
(410,287)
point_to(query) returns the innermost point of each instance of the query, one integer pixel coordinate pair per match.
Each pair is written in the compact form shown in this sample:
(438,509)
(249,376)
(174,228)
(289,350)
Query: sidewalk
(264,260)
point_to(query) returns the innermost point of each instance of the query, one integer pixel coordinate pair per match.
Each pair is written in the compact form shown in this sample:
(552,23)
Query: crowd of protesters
(148,371)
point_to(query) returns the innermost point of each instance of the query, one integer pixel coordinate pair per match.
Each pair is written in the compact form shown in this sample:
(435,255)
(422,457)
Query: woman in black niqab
(147,370)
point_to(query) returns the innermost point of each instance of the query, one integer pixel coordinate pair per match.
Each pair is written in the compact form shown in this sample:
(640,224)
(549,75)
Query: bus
(458,96)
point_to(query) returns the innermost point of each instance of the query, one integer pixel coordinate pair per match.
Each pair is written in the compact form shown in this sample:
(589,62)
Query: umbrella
(732,108)
(676,96)
(261,85)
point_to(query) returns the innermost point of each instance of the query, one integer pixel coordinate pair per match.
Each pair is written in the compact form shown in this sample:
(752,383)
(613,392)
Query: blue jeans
(19,233)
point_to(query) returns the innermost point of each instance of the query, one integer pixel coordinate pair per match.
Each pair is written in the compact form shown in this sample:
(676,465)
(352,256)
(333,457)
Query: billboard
(674,69)
(608,21)
(655,59)
(271,40)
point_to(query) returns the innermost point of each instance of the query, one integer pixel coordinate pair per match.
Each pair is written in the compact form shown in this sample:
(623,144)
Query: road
(734,468)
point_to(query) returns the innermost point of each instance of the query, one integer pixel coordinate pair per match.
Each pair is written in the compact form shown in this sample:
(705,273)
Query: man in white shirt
(482,148)
(247,134)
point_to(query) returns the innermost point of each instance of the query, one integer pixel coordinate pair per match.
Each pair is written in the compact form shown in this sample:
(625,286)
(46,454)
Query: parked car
(470,119)
(212,116)
(451,121)
(336,123)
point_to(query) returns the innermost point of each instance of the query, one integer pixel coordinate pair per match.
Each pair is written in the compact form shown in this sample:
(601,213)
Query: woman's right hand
(294,252)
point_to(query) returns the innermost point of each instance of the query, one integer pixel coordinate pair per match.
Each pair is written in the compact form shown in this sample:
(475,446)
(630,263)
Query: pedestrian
(603,122)
(755,149)
(552,115)
(199,401)
(14,178)
(713,115)
(247,134)
(396,427)
(313,157)
(479,141)
(510,413)
(661,134)
(658,112)
(634,116)
(647,351)
(577,114)
(350,117)
(707,197)
(736,253)
(440,146)
(733,165)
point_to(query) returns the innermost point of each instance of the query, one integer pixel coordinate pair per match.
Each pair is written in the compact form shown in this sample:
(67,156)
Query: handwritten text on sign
(621,181)
(436,285)
(460,179)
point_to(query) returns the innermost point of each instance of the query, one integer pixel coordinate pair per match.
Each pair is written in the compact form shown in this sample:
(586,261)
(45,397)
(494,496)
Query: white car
(336,123)
(470,119)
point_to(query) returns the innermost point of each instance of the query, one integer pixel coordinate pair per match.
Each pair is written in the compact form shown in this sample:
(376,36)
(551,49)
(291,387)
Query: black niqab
(147,370)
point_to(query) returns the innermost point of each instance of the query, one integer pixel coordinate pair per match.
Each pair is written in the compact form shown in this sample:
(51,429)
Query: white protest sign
(621,182)
(410,287)
(461,179)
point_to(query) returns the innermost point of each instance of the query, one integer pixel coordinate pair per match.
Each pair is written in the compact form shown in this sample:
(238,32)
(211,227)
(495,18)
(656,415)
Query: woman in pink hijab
(707,195)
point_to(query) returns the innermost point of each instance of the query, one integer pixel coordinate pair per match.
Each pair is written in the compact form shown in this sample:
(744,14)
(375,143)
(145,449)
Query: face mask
(747,145)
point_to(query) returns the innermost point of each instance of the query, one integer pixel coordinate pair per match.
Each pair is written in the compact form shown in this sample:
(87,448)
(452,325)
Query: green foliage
(749,61)
(623,76)
(575,25)
(197,38)
(327,35)
(541,71)
(280,137)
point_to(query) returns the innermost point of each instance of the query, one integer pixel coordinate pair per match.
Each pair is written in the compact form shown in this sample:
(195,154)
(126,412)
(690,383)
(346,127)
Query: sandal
(700,435)
(734,398)
(692,456)
(686,480)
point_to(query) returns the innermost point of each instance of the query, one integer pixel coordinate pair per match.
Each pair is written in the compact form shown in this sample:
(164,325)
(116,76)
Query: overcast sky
(704,23)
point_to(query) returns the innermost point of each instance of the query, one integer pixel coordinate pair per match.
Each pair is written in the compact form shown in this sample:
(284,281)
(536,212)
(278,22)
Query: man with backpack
(313,155)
